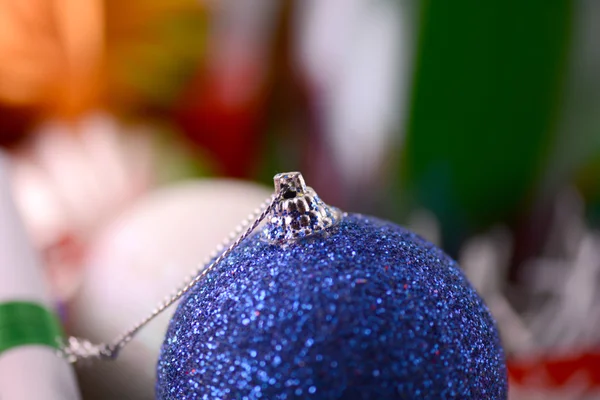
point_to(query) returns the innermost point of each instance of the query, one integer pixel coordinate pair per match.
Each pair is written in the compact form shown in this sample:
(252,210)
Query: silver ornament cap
(299,212)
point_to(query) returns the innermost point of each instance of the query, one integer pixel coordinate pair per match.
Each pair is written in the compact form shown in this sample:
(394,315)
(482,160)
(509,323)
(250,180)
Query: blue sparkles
(365,310)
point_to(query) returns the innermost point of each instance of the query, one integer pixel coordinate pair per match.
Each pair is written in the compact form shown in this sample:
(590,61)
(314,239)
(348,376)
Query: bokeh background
(475,123)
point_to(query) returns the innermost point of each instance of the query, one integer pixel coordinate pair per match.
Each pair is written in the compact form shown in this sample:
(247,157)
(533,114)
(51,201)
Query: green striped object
(24,323)
(484,105)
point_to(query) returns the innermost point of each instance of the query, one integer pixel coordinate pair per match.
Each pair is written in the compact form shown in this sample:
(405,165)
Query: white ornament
(136,261)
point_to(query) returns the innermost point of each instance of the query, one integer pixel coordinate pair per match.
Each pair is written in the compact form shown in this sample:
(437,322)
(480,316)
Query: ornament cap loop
(289,184)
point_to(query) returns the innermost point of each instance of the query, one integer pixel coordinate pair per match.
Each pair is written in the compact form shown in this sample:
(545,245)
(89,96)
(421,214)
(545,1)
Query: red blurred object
(224,109)
(549,372)
(15,124)
(226,119)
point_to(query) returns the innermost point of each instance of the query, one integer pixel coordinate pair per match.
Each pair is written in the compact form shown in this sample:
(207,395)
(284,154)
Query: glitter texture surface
(364,310)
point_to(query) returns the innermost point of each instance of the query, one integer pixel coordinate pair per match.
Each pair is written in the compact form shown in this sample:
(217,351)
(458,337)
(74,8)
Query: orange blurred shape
(51,52)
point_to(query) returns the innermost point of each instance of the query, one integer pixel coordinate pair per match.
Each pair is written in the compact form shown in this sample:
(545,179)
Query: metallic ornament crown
(300,212)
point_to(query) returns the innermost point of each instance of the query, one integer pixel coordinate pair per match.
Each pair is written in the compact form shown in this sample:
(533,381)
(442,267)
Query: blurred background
(476,124)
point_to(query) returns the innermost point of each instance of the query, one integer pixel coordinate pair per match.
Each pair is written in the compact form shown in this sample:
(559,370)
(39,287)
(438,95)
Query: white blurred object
(569,273)
(26,372)
(358,53)
(141,258)
(70,180)
(239,48)
(553,340)
(485,259)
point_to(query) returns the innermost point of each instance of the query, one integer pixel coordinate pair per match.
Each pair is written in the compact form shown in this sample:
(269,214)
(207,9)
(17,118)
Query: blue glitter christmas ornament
(326,305)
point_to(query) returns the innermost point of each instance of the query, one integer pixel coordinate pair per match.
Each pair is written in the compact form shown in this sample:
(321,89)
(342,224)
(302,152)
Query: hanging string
(78,349)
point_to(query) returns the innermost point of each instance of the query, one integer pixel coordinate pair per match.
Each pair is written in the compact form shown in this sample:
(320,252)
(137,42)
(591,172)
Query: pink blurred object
(72,178)
(33,371)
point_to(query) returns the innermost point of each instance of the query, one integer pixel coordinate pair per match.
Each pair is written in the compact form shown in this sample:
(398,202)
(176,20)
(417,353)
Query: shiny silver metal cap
(299,212)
